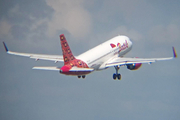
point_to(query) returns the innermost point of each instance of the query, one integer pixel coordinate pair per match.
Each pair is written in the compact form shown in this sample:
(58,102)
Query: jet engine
(134,66)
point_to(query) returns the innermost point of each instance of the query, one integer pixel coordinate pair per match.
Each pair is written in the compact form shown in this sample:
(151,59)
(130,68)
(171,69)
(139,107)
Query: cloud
(126,10)
(71,16)
(164,34)
(14,11)
(5,28)
(123,30)
(159,106)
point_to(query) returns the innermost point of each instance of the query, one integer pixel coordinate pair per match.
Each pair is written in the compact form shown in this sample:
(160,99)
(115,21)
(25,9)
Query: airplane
(101,57)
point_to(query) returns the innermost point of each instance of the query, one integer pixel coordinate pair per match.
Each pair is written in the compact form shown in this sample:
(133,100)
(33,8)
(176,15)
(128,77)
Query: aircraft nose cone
(130,43)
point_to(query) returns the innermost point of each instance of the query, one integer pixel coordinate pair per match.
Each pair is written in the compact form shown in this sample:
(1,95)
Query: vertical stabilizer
(67,54)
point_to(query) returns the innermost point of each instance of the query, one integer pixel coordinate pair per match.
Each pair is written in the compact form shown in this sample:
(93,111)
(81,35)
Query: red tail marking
(69,59)
(67,54)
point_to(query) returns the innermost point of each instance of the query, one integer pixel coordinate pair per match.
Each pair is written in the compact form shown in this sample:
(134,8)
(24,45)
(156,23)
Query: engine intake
(134,66)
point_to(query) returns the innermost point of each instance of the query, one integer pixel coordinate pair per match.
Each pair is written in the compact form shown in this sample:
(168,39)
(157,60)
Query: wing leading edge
(56,58)
(124,61)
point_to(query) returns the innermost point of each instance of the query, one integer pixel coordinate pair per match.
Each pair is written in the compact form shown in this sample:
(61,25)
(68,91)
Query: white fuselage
(101,54)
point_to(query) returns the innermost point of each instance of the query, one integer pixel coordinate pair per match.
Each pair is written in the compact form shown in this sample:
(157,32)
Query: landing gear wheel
(83,76)
(114,76)
(79,76)
(119,76)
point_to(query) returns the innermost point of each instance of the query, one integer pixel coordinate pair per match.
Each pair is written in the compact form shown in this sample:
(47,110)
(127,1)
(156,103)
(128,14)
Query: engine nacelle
(134,66)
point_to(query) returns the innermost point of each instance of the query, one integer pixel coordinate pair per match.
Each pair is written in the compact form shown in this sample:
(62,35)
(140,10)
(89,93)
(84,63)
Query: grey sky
(152,92)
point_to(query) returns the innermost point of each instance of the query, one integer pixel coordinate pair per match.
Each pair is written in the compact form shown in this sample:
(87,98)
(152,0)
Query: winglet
(5,47)
(174,52)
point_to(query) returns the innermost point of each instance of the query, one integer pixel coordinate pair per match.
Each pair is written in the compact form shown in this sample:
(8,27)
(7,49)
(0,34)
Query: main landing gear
(116,75)
(83,76)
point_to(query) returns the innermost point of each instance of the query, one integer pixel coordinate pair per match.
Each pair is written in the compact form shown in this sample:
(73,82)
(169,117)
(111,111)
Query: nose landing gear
(116,75)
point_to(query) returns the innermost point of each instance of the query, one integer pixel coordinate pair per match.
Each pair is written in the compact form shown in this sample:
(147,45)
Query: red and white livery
(103,56)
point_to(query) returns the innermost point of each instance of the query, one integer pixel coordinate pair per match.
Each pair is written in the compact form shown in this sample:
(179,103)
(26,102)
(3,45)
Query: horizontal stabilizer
(73,69)
(47,68)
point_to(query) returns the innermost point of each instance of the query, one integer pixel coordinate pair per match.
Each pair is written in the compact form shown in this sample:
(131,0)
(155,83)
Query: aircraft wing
(55,58)
(124,61)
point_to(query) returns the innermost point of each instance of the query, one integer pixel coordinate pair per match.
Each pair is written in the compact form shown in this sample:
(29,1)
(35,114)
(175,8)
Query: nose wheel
(116,75)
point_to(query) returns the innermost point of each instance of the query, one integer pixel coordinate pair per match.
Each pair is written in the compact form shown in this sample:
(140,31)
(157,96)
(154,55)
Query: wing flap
(124,61)
(47,68)
(110,64)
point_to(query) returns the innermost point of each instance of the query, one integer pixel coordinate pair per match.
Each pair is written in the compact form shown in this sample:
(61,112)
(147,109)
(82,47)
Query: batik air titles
(108,54)
(98,56)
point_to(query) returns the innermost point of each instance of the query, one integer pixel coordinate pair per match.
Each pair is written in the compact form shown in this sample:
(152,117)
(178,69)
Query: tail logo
(72,57)
(69,51)
(65,44)
(62,38)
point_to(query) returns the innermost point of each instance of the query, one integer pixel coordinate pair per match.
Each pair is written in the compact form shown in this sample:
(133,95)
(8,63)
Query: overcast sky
(34,26)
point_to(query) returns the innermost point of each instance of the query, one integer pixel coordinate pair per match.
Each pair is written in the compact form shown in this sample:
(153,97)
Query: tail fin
(67,54)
